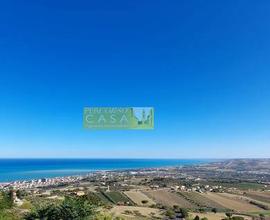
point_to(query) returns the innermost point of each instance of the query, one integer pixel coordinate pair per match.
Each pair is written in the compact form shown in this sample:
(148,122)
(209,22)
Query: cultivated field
(248,198)
(118,198)
(168,198)
(132,212)
(137,197)
(114,197)
(260,196)
(103,198)
(200,200)
(213,216)
(235,204)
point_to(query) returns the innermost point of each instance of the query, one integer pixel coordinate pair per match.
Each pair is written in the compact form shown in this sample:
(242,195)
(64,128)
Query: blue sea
(27,169)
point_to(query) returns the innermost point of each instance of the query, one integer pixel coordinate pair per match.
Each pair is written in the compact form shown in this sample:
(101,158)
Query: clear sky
(203,65)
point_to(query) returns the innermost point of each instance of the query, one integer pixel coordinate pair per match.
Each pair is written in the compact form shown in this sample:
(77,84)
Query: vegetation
(237,218)
(6,200)
(6,205)
(117,198)
(107,217)
(170,213)
(228,214)
(144,201)
(214,210)
(94,199)
(184,212)
(262,206)
(70,208)
(259,196)
(200,201)
(197,217)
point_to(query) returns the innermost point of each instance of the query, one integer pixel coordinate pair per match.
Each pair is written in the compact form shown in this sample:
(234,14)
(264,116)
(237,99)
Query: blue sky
(203,65)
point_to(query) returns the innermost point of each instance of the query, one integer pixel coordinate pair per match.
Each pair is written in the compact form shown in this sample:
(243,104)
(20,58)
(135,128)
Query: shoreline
(54,181)
(31,169)
(96,172)
(209,166)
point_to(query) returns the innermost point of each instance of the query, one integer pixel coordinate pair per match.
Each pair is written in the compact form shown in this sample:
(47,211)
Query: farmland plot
(201,200)
(118,198)
(248,199)
(232,203)
(133,212)
(138,198)
(260,196)
(168,198)
(103,198)
(215,216)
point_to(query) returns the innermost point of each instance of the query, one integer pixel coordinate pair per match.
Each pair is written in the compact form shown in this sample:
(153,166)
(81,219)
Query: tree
(204,218)
(197,217)
(144,202)
(20,194)
(229,215)
(214,210)
(6,200)
(176,208)
(262,216)
(184,212)
(170,213)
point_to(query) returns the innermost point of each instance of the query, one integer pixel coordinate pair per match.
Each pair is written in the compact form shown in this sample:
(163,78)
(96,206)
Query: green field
(115,198)
(104,198)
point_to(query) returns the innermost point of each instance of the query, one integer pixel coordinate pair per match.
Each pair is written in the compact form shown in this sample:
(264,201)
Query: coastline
(13,170)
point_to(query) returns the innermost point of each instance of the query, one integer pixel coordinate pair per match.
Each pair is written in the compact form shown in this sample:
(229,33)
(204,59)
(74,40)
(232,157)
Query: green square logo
(118,118)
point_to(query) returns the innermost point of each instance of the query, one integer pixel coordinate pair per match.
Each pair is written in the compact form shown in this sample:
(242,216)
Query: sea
(28,169)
